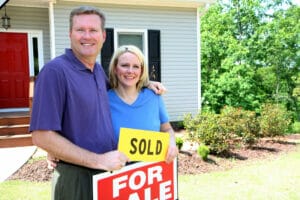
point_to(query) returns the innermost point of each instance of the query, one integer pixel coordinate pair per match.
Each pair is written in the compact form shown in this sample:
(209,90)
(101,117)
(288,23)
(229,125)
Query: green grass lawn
(24,190)
(277,179)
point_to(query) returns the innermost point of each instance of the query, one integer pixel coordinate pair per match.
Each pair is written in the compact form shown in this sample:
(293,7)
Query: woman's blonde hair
(144,79)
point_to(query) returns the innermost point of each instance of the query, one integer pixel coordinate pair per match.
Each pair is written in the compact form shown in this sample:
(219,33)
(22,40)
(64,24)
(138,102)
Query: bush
(203,151)
(235,126)
(294,128)
(179,142)
(191,125)
(241,123)
(274,120)
(206,129)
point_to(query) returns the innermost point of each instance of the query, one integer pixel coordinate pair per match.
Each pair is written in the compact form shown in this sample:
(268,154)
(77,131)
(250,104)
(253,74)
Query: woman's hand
(171,154)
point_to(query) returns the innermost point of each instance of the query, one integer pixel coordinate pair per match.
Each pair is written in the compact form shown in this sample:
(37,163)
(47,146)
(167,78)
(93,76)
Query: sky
(2,1)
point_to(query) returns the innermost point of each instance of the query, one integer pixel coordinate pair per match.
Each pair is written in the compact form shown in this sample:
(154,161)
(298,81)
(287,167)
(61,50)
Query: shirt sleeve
(48,100)
(163,114)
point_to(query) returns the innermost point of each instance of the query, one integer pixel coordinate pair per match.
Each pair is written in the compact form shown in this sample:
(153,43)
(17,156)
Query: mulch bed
(188,161)
(191,163)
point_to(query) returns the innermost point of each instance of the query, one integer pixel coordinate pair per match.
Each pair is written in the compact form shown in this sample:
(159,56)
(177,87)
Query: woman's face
(128,70)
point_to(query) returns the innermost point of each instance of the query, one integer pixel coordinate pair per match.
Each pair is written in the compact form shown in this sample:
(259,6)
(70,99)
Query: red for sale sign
(139,181)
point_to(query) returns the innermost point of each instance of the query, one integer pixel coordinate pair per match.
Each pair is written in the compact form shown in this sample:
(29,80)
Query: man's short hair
(87,10)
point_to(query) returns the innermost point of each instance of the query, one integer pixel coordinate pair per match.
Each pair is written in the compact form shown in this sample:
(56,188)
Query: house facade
(167,31)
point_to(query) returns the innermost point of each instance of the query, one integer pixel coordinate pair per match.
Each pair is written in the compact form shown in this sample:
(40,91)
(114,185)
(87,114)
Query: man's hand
(112,160)
(51,161)
(157,87)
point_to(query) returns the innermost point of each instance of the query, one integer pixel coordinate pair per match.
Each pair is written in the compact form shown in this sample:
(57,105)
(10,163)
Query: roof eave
(157,3)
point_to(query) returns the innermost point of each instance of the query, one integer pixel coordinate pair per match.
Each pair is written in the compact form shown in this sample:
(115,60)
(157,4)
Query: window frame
(142,32)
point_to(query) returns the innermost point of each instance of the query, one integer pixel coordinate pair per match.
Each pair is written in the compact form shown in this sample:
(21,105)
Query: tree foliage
(250,54)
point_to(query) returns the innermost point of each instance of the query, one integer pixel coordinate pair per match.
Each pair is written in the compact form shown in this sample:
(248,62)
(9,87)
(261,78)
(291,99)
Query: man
(70,115)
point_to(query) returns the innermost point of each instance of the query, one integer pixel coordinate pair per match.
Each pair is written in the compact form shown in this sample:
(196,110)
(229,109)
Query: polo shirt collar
(76,62)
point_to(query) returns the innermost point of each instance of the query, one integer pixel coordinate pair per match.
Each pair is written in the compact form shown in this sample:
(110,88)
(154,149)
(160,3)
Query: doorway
(14,70)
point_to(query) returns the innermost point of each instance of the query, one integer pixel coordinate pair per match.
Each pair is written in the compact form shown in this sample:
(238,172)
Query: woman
(131,104)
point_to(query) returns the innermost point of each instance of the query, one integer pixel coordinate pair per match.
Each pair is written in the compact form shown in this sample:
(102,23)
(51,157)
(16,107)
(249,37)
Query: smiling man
(70,118)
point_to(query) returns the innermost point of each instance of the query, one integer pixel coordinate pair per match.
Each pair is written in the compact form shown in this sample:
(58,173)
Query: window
(138,38)
(35,46)
(147,40)
(35,55)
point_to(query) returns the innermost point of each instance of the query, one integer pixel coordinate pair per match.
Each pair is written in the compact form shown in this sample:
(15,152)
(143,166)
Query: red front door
(14,70)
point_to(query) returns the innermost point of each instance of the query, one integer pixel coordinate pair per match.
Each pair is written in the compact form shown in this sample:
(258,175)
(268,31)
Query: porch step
(13,120)
(15,141)
(14,130)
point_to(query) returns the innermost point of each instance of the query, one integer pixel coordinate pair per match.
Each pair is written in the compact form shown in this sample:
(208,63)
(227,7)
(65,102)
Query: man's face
(87,37)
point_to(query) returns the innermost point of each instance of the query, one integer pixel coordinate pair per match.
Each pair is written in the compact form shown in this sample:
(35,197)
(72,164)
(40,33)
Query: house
(166,30)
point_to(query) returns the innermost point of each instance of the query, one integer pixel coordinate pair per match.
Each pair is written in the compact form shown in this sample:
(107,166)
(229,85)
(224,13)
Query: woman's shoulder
(149,92)
(111,92)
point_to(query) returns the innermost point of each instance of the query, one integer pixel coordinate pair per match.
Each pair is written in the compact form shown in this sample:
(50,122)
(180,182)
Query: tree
(250,54)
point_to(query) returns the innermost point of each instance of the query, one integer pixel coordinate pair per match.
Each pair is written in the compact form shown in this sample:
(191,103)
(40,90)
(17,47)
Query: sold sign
(142,145)
(139,181)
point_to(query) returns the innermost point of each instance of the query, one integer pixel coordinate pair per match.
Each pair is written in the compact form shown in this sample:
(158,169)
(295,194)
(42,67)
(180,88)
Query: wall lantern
(5,21)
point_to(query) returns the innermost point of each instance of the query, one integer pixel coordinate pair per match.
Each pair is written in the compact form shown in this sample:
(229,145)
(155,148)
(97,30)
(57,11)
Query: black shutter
(107,49)
(154,55)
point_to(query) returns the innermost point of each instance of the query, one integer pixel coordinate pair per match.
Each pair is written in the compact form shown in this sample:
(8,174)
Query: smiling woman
(129,99)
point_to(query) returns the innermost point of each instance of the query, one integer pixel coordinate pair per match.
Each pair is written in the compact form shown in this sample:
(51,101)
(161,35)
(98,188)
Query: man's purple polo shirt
(73,101)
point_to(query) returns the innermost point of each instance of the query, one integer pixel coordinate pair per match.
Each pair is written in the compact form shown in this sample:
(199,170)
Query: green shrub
(191,125)
(274,120)
(213,133)
(242,124)
(294,128)
(205,128)
(235,127)
(203,151)
(179,142)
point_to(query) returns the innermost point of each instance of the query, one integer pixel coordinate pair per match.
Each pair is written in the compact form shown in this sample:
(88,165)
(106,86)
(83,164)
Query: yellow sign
(142,145)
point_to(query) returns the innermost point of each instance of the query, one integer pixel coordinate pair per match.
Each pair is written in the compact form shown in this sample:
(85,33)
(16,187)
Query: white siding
(178,47)
(25,18)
